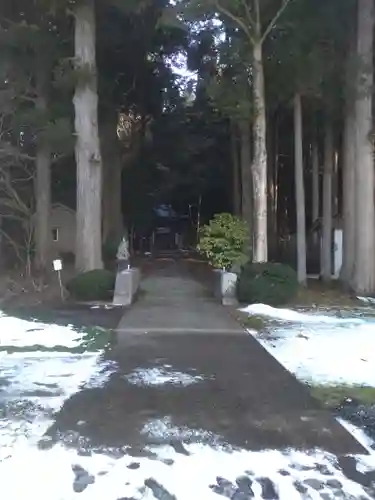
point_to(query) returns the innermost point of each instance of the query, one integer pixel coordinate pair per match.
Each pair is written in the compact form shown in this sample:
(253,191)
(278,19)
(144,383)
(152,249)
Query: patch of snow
(165,429)
(58,376)
(362,438)
(198,474)
(367,300)
(18,332)
(160,376)
(101,376)
(320,349)
(105,306)
(33,383)
(35,388)
(295,316)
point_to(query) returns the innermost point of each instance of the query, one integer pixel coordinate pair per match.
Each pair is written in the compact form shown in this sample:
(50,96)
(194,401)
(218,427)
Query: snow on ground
(203,472)
(39,370)
(18,332)
(320,348)
(34,382)
(298,317)
(361,437)
(162,375)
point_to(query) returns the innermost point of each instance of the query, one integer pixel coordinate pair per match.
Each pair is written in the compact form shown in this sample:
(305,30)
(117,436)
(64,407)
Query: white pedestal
(337,252)
(225,287)
(127,284)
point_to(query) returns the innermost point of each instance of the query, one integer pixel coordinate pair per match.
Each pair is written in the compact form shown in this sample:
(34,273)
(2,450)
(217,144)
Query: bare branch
(13,200)
(257,16)
(14,245)
(273,22)
(248,13)
(27,98)
(236,19)
(16,206)
(7,149)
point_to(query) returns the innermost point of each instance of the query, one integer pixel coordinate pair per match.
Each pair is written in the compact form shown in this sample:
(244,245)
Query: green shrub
(223,241)
(267,283)
(98,284)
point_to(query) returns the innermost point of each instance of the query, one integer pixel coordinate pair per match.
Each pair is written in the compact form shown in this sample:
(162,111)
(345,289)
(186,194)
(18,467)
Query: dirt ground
(40,297)
(19,290)
(319,294)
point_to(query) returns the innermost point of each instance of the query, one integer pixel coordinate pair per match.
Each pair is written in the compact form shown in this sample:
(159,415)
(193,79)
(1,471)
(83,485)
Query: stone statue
(123,254)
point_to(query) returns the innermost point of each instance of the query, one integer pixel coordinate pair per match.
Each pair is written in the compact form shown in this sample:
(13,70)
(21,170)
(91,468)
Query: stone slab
(126,287)
(225,287)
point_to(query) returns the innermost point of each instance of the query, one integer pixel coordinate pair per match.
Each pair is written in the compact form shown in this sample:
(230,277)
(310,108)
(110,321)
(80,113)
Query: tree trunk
(88,157)
(113,227)
(315,180)
(236,187)
(300,191)
(326,254)
(247,189)
(42,187)
(273,166)
(259,165)
(315,186)
(43,208)
(364,269)
(349,160)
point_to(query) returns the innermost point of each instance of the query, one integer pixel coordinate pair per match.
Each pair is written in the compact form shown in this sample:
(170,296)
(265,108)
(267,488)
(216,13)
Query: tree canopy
(193,102)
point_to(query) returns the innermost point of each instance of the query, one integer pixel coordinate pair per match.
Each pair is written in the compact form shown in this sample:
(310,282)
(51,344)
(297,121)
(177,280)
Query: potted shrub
(223,242)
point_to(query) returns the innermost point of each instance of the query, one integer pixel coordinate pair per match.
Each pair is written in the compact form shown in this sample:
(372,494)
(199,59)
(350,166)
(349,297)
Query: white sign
(57,265)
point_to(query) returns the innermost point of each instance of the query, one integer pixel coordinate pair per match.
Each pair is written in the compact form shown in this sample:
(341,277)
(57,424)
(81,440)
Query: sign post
(57,266)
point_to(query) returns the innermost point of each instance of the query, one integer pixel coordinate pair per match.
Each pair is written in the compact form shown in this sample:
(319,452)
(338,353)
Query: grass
(332,396)
(254,322)
(249,321)
(318,293)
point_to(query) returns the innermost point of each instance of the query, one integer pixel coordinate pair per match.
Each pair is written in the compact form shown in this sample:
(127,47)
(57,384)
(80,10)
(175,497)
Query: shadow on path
(224,389)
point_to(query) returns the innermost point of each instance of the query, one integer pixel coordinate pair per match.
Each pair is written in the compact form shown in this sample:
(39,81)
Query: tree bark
(300,190)
(259,165)
(113,227)
(43,208)
(326,254)
(247,191)
(42,186)
(272,173)
(315,181)
(88,157)
(349,161)
(364,269)
(315,185)
(236,184)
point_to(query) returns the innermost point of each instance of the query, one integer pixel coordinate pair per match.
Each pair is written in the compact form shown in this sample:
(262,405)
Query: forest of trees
(277,104)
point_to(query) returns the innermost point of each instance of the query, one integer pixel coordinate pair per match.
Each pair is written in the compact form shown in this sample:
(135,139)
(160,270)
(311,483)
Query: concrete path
(171,301)
(189,406)
(244,391)
(181,404)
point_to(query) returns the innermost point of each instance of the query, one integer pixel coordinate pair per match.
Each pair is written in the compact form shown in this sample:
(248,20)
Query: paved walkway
(188,406)
(245,394)
(171,301)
